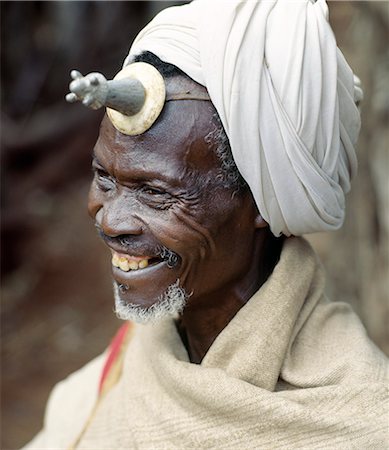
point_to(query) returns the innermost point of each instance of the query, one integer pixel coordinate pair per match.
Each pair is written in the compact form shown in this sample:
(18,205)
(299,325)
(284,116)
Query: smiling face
(159,203)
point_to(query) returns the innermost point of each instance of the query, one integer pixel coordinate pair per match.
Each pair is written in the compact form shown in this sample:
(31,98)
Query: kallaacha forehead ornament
(153,99)
(134,98)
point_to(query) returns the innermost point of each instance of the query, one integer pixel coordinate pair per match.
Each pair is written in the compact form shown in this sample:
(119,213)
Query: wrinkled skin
(162,188)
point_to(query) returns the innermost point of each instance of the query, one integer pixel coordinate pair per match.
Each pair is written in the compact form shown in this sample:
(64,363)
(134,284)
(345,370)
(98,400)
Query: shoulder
(72,401)
(330,346)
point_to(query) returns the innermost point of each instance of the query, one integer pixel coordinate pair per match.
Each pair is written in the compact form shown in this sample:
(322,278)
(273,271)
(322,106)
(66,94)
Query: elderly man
(200,198)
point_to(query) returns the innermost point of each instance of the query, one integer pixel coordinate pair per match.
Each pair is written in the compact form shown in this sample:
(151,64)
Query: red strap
(114,350)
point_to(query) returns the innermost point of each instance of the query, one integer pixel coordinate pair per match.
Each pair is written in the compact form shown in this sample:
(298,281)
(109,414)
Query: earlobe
(259,221)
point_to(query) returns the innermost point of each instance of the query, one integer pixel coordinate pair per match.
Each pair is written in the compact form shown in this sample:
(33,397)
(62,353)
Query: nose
(118,217)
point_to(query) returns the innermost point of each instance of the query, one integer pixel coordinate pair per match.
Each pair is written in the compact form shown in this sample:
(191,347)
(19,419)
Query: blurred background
(56,291)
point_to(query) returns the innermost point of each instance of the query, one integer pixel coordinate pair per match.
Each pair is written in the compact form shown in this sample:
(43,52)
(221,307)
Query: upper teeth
(127,263)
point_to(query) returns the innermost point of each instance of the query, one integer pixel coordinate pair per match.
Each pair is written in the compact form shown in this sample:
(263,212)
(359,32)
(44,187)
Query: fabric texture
(69,407)
(291,370)
(285,96)
(113,365)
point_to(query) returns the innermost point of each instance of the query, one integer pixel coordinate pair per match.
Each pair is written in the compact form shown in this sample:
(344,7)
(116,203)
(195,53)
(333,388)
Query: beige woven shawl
(291,370)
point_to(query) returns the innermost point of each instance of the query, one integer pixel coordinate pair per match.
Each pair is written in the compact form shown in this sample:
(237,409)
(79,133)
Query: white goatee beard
(170,303)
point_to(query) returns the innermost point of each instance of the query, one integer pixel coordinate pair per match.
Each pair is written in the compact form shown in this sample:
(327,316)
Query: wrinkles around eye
(152,197)
(104,181)
(156,198)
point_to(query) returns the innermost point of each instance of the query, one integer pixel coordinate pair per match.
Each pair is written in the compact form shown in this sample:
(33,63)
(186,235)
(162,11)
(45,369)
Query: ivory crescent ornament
(154,99)
(134,98)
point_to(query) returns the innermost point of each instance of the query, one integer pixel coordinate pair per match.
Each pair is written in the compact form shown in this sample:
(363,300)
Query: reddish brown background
(56,289)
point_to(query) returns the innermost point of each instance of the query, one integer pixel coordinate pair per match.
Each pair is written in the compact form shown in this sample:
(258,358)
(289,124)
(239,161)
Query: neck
(202,322)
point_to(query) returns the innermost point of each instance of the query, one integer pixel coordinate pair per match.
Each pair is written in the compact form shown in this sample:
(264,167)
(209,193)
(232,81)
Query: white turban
(285,96)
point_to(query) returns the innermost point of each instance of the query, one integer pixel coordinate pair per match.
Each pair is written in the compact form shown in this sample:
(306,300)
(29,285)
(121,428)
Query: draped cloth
(291,370)
(285,96)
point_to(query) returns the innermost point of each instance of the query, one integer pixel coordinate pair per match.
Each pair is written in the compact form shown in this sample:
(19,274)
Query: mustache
(130,244)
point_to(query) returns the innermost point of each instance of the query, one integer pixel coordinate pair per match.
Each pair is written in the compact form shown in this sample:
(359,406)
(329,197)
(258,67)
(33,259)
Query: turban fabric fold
(284,93)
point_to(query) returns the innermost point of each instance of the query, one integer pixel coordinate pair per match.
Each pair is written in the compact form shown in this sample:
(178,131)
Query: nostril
(121,224)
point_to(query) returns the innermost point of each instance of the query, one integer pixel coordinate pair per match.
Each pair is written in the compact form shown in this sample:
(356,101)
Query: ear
(259,222)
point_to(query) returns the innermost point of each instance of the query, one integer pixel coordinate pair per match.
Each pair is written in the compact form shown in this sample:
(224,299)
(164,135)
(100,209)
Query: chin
(170,303)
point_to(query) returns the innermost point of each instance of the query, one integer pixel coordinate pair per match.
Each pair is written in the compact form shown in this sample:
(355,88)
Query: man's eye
(104,180)
(156,198)
(153,191)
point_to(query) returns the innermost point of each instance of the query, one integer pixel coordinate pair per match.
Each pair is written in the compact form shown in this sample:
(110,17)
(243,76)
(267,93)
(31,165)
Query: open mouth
(128,263)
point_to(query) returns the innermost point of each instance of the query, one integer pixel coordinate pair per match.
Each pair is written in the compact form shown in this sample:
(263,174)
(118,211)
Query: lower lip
(137,275)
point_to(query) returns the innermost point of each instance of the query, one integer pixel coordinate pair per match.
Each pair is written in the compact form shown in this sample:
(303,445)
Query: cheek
(229,225)
(200,231)
(193,233)
(178,231)
(182,233)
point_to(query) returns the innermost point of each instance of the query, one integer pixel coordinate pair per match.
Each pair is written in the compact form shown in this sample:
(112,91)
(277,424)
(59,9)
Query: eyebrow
(95,158)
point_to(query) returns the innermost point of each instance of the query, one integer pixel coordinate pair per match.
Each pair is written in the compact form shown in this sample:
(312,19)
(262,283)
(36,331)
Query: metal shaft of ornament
(126,96)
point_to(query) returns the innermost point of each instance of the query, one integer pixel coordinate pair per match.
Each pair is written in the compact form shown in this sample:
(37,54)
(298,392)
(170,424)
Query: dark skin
(163,187)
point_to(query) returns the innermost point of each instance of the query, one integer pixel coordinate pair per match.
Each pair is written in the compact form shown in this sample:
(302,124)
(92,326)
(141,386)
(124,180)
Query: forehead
(174,145)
